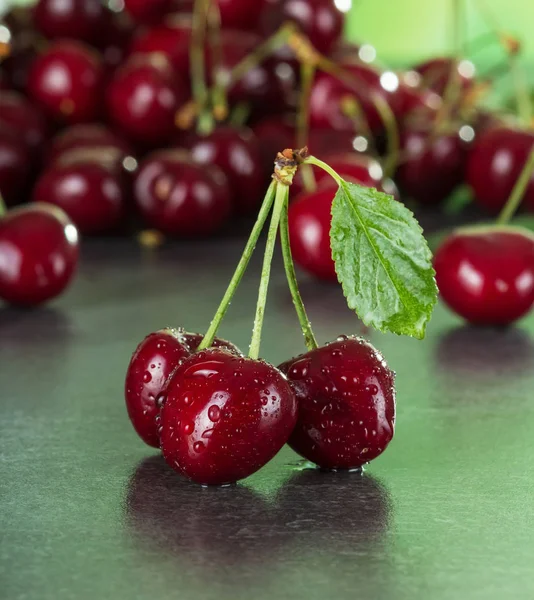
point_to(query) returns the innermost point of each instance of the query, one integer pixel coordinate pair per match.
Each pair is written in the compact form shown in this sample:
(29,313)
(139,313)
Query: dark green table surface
(88,512)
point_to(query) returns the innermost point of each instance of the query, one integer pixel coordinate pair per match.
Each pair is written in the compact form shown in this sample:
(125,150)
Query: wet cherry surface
(486,275)
(225,417)
(38,254)
(346,397)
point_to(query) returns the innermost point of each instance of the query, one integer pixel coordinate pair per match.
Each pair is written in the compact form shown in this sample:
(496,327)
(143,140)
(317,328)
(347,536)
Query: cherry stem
(198,70)
(309,337)
(518,192)
(279,203)
(392,134)
(3,208)
(218,94)
(241,268)
(311,160)
(303,121)
(240,114)
(523,101)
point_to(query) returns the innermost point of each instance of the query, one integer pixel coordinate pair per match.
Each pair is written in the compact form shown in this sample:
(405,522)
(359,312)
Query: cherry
(91,192)
(171,38)
(75,19)
(494,164)
(179,197)
(24,119)
(260,86)
(155,359)
(14,164)
(115,38)
(414,101)
(66,82)
(236,153)
(152,11)
(143,97)
(38,254)
(329,97)
(486,275)
(310,217)
(433,165)
(225,417)
(436,73)
(346,398)
(86,136)
(319,20)
(240,14)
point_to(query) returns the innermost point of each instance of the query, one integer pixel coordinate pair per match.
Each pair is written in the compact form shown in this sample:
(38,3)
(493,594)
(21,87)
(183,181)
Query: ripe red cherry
(346,397)
(309,231)
(236,153)
(171,38)
(143,97)
(319,20)
(24,119)
(432,167)
(486,275)
(240,14)
(38,254)
(436,73)
(15,162)
(179,197)
(155,359)
(495,162)
(144,12)
(75,19)
(329,97)
(85,136)
(91,192)
(150,367)
(225,417)
(66,82)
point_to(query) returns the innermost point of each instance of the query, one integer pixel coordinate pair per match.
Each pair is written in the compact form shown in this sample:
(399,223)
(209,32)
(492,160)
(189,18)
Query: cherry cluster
(219,417)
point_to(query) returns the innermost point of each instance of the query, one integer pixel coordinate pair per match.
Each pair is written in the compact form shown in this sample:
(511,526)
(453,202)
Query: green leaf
(382,261)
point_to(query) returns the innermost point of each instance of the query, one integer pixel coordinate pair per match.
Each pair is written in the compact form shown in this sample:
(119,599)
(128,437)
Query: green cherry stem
(311,160)
(198,71)
(279,203)
(3,208)
(241,268)
(309,337)
(307,76)
(518,192)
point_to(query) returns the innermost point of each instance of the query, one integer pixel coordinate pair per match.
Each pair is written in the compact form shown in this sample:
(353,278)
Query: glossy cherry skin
(151,11)
(171,38)
(319,20)
(240,14)
(225,417)
(143,97)
(90,192)
(495,162)
(436,73)
(24,119)
(66,82)
(156,357)
(236,153)
(329,95)
(150,368)
(38,254)
(15,163)
(486,275)
(85,136)
(346,397)
(432,167)
(76,19)
(179,197)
